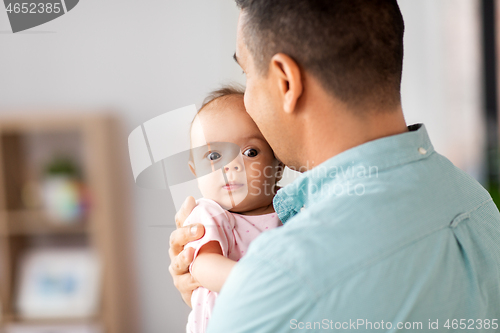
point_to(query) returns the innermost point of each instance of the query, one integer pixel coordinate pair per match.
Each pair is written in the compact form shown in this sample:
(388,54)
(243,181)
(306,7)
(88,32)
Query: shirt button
(303,207)
(422,151)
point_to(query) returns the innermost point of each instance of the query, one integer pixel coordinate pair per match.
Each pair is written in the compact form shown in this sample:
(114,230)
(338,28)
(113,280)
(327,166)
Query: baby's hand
(180,259)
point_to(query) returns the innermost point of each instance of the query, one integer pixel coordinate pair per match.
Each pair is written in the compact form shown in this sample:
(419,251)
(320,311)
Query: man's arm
(409,287)
(180,259)
(259,296)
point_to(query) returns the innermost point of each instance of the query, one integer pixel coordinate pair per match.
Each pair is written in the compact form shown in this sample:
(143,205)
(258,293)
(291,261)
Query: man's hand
(180,259)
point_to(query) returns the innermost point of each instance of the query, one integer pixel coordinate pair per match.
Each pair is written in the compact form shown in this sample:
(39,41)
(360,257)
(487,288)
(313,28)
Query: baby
(237,174)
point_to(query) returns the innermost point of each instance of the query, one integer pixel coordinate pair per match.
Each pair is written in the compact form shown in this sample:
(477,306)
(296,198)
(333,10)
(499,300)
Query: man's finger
(184,235)
(189,284)
(185,283)
(180,263)
(187,299)
(186,208)
(183,280)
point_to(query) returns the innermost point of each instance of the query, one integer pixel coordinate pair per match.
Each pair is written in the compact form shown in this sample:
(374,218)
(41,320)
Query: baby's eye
(250,152)
(213,156)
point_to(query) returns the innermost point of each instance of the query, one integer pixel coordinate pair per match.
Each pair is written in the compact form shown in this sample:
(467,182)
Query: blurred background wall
(143,58)
(442,77)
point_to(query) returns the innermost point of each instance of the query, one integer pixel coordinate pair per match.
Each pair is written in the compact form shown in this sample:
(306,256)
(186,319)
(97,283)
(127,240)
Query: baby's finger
(186,208)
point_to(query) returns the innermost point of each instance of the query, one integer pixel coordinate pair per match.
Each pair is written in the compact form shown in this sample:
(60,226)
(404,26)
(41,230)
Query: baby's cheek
(208,184)
(253,170)
(258,186)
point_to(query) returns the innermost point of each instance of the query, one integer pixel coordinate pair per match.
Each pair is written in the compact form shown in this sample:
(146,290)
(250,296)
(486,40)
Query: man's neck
(335,132)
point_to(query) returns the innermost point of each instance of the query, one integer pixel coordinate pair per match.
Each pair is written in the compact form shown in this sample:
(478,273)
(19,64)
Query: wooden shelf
(26,222)
(97,146)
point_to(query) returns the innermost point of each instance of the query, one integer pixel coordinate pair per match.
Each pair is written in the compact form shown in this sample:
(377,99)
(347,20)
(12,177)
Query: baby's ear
(191,167)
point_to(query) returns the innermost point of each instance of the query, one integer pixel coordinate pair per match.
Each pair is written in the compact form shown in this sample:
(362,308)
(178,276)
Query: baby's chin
(241,206)
(241,200)
(250,205)
(238,208)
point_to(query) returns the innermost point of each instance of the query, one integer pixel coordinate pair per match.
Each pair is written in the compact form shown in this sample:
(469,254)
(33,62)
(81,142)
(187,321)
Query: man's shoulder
(341,241)
(397,208)
(326,256)
(316,254)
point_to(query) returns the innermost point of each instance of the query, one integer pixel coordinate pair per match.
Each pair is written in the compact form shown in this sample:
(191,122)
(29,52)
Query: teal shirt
(386,236)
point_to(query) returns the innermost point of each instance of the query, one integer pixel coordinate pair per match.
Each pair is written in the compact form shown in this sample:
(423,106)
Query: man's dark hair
(353,47)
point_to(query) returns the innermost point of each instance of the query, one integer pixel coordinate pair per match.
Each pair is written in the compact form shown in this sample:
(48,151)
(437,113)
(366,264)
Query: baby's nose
(235,167)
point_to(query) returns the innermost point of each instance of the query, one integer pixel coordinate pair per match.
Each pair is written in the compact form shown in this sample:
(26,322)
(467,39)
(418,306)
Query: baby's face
(252,174)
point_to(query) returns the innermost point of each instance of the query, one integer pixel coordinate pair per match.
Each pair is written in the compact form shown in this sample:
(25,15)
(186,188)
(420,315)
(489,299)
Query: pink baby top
(234,232)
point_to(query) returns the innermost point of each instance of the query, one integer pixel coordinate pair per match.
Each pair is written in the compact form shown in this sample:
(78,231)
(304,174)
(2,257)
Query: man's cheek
(246,101)
(250,105)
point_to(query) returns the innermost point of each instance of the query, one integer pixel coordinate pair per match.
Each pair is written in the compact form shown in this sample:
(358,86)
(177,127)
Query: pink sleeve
(217,226)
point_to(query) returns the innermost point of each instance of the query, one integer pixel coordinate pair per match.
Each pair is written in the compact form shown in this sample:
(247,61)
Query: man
(380,231)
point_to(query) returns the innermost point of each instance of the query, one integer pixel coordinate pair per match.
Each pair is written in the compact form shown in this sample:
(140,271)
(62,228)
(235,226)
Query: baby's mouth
(232,186)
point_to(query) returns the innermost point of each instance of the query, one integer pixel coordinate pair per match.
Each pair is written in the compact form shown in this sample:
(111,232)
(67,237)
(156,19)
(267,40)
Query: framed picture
(58,283)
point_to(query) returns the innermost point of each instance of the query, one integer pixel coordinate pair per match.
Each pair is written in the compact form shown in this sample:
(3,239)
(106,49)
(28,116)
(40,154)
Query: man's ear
(289,79)
(191,167)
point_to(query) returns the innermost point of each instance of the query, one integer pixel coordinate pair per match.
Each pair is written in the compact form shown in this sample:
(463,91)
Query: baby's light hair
(223,92)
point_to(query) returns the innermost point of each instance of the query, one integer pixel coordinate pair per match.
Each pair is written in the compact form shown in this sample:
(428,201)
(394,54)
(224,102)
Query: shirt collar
(372,156)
